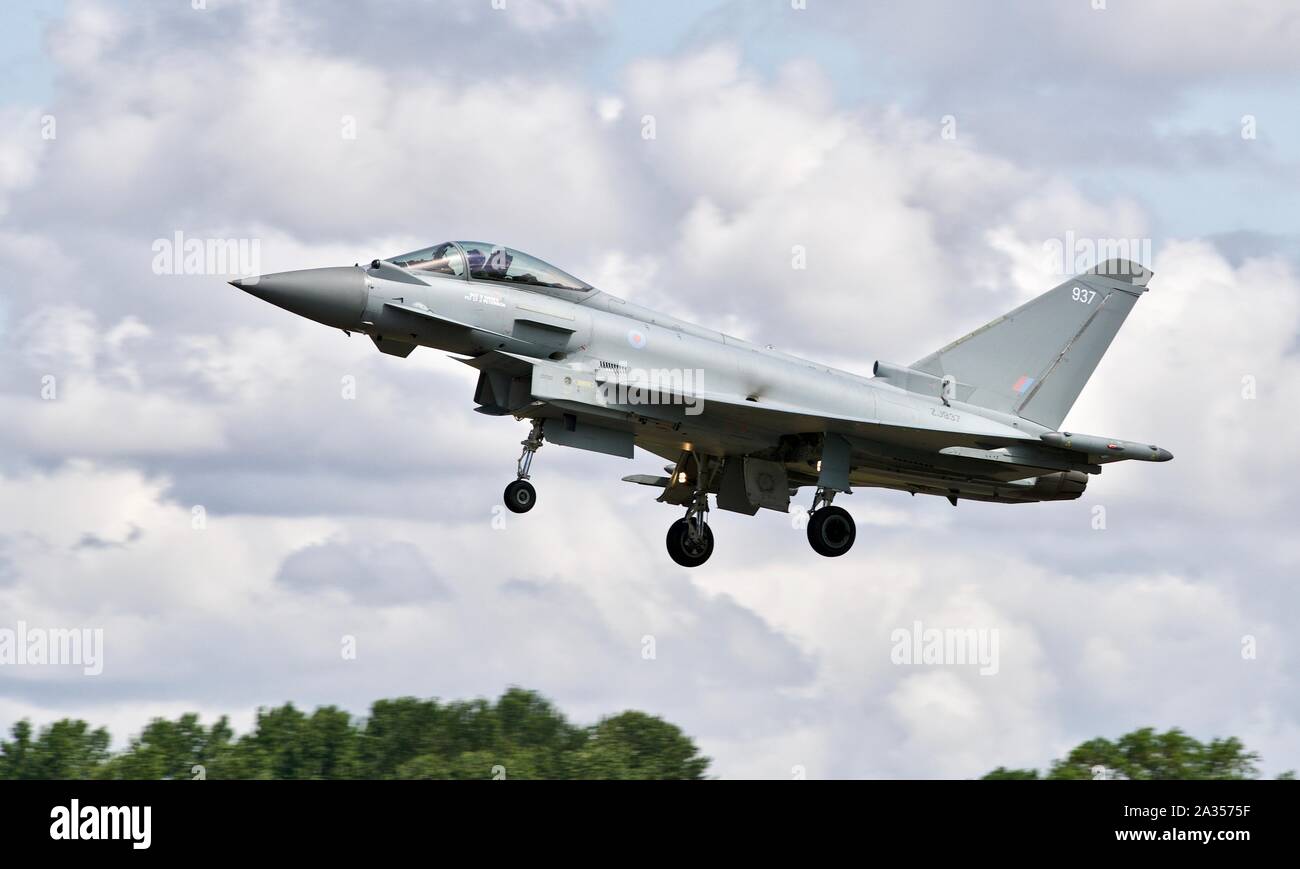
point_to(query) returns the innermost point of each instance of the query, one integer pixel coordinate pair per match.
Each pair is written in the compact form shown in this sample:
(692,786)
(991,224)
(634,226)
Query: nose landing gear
(520,496)
(831,530)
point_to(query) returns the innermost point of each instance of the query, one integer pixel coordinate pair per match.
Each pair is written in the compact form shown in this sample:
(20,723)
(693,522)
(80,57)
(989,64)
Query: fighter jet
(744,423)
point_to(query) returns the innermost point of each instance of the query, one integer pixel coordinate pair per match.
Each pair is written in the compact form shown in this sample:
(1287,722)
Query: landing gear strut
(830,529)
(690,540)
(520,495)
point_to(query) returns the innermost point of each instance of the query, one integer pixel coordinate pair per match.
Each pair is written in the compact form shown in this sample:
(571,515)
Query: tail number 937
(1084,295)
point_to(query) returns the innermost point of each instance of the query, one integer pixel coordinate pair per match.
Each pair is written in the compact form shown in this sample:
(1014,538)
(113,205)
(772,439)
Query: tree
(522,731)
(1004,774)
(15,756)
(399,731)
(634,745)
(1146,754)
(170,750)
(476,766)
(288,744)
(520,736)
(66,749)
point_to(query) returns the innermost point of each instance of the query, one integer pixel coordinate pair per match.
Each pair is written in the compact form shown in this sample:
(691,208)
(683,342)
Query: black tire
(520,496)
(831,531)
(684,550)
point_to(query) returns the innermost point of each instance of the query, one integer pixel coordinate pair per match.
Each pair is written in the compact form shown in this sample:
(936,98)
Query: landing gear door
(767,485)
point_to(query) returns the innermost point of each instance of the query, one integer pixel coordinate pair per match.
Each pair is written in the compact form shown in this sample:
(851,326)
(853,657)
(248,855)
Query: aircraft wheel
(520,496)
(688,551)
(831,531)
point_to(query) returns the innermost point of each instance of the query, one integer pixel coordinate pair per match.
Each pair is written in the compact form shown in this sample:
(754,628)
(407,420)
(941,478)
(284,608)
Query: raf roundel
(636,338)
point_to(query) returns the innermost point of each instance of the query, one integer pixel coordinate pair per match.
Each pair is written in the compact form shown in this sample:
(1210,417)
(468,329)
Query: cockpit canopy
(488,262)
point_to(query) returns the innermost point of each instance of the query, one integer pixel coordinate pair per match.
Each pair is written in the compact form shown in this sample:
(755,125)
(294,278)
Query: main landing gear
(690,540)
(830,529)
(520,495)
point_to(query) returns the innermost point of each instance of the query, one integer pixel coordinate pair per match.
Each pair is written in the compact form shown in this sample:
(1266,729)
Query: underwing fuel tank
(1065,486)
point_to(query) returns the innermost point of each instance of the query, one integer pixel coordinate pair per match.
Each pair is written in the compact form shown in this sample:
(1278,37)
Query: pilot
(475,259)
(492,266)
(498,263)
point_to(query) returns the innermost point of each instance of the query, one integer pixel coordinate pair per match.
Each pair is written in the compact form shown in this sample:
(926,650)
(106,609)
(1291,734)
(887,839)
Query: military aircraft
(976,420)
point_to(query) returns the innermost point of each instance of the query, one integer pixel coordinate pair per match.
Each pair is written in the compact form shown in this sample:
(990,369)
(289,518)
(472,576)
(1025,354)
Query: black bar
(241,818)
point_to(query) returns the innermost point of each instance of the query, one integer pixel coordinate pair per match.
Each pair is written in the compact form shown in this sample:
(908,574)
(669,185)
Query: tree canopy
(1146,754)
(520,736)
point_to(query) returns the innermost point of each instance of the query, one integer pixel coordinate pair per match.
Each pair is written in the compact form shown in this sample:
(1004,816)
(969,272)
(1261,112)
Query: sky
(234,496)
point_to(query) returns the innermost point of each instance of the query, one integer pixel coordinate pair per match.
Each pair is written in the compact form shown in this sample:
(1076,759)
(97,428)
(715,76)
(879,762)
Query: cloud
(230,492)
(1065,86)
(392,572)
(254,613)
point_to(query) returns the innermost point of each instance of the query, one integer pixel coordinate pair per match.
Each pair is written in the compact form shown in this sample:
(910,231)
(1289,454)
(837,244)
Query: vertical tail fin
(1034,361)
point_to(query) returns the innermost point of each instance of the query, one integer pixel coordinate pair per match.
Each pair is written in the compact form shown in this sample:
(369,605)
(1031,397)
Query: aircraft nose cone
(333,296)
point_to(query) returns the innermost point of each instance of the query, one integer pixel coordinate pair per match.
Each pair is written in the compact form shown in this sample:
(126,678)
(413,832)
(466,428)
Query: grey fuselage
(988,455)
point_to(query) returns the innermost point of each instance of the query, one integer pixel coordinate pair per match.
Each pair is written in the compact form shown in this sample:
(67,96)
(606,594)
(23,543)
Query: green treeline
(520,736)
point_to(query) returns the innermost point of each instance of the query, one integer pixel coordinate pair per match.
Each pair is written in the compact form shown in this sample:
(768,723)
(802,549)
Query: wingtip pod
(1124,270)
